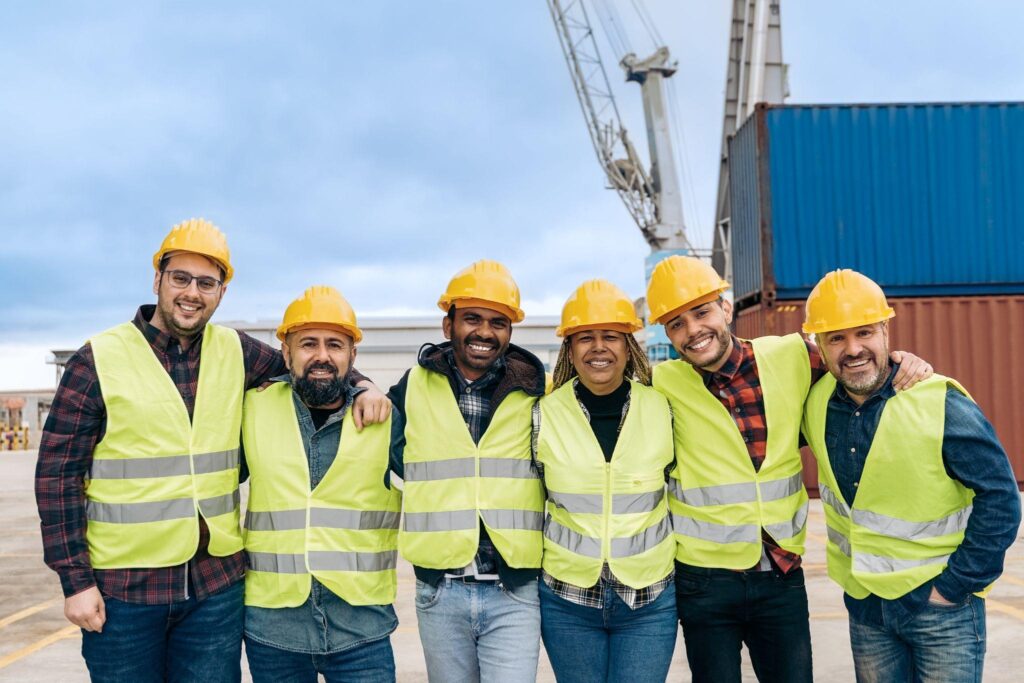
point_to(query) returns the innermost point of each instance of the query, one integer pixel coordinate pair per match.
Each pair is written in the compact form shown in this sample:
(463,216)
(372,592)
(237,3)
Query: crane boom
(660,221)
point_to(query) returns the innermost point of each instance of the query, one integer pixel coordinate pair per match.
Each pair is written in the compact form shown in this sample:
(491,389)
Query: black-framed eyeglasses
(181,279)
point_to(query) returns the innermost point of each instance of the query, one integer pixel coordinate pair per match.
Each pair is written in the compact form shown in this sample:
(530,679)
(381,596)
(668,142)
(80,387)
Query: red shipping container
(972,339)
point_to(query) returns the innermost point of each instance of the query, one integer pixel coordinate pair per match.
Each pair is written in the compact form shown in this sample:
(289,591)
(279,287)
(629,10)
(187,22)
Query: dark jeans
(372,662)
(721,610)
(189,641)
(613,644)
(941,643)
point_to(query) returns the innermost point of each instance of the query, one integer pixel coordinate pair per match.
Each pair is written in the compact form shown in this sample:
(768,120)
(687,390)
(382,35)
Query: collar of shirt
(488,379)
(159,340)
(726,373)
(883,393)
(302,410)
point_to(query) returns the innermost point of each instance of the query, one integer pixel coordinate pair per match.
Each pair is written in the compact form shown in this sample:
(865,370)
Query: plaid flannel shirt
(737,385)
(76,423)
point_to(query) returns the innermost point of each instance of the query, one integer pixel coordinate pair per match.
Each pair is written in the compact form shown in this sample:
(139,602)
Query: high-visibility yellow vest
(452,483)
(599,511)
(344,532)
(154,469)
(719,503)
(908,516)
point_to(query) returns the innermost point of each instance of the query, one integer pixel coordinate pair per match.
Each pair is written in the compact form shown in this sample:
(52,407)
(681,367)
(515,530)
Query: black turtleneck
(605,414)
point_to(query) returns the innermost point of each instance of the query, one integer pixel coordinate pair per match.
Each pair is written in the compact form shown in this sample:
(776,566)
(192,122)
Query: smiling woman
(602,443)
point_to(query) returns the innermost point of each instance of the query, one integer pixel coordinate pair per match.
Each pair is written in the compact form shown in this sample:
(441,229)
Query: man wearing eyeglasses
(137,478)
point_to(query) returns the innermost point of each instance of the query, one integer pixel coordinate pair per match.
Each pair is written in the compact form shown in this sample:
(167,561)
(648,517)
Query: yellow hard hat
(199,236)
(680,281)
(486,284)
(844,299)
(320,306)
(598,304)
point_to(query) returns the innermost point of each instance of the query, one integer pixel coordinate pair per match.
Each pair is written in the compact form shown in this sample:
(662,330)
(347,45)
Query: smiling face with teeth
(319,359)
(701,334)
(183,313)
(858,357)
(599,357)
(479,337)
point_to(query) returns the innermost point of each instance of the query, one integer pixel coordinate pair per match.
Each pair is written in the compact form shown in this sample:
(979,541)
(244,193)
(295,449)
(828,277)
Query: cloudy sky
(381,146)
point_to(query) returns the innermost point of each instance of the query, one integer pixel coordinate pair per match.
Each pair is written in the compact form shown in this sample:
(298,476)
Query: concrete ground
(37,644)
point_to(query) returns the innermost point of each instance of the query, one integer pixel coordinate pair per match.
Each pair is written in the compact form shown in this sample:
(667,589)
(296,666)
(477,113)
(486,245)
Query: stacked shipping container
(927,200)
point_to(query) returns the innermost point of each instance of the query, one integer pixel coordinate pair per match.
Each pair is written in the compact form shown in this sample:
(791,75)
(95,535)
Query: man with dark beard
(738,502)
(321,526)
(473,504)
(920,500)
(137,476)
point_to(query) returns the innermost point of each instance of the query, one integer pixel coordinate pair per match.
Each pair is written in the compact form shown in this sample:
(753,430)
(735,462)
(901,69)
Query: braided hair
(637,365)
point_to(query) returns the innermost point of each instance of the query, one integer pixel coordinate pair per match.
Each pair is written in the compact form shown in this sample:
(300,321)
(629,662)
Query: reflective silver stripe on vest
(277,520)
(829,497)
(140,468)
(435,470)
(166,466)
(573,541)
(593,503)
(219,505)
(277,564)
(912,531)
(789,529)
(289,520)
(725,494)
(643,541)
(781,488)
(337,561)
(363,520)
(716,533)
(840,541)
(511,468)
(632,503)
(454,520)
(529,520)
(877,564)
(140,513)
(219,461)
(579,503)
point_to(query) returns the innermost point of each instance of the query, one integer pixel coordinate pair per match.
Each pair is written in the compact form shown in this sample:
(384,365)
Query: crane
(652,197)
(755,73)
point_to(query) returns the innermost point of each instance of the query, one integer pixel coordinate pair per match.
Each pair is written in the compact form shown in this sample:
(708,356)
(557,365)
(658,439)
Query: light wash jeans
(479,632)
(940,644)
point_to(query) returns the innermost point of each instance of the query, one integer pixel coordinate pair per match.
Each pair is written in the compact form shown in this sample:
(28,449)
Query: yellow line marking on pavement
(67,632)
(28,611)
(997,606)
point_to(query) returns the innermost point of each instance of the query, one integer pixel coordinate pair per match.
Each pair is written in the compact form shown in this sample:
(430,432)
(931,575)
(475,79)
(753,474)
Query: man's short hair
(167,257)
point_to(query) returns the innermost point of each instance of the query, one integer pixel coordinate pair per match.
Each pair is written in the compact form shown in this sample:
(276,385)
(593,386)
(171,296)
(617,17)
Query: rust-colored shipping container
(978,340)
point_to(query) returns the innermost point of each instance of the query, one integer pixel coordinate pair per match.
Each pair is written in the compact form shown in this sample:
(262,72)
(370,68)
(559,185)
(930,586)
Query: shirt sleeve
(75,425)
(818,369)
(397,396)
(262,361)
(973,456)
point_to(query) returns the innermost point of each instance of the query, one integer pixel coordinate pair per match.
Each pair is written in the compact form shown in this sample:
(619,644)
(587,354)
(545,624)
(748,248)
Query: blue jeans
(190,640)
(941,643)
(612,644)
(372,662)
(479,632)
(721,610)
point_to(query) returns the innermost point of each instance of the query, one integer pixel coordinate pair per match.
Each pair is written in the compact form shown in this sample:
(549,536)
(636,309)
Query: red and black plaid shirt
(75,425)
(738,386)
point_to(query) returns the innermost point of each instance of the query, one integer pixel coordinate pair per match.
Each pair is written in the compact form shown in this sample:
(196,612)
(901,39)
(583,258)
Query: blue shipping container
(926,199)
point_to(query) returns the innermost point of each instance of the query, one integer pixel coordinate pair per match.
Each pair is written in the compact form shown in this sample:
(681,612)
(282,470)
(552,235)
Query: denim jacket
(325,624)
(973,456)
